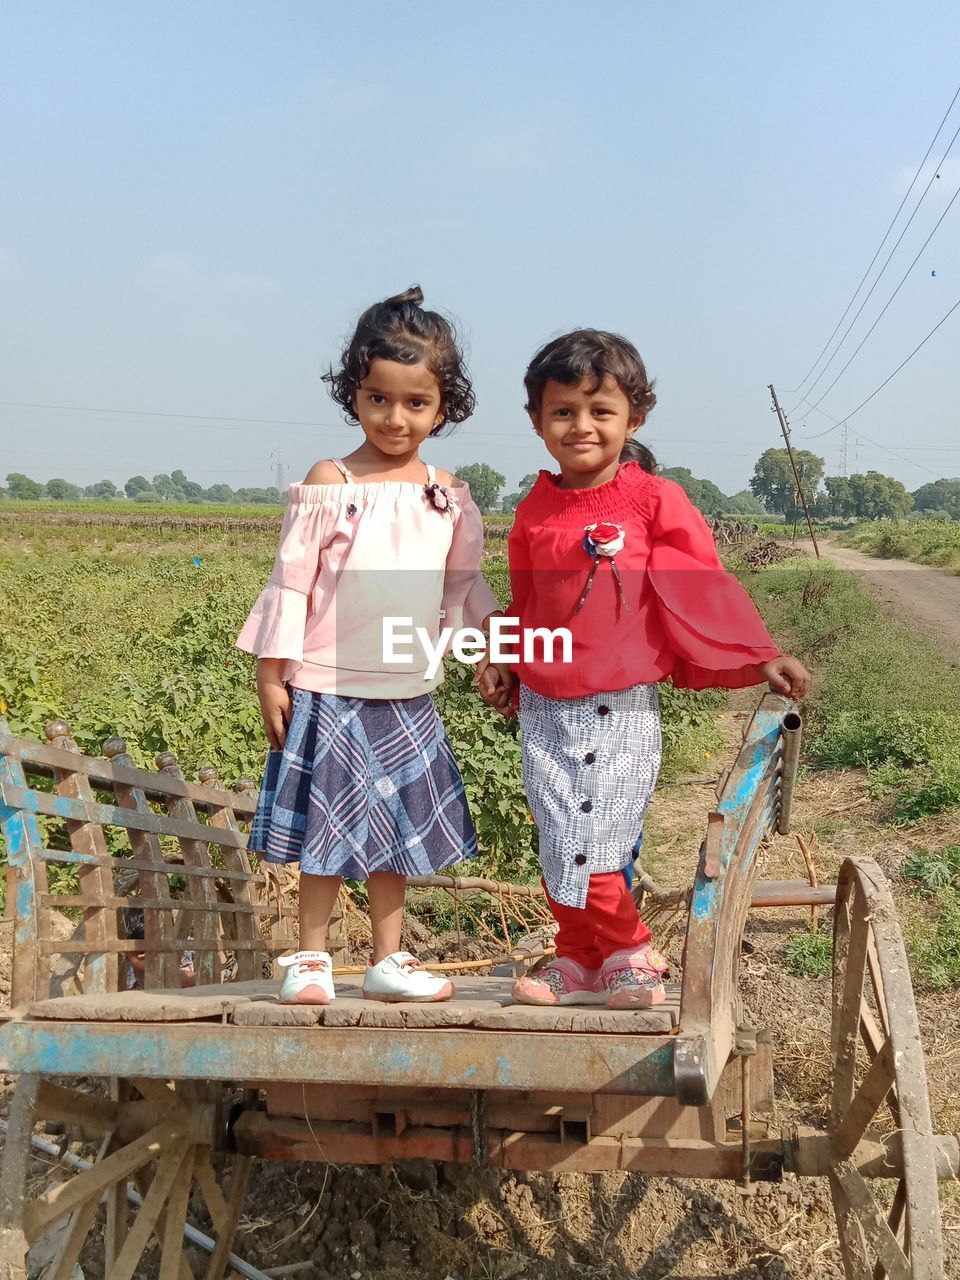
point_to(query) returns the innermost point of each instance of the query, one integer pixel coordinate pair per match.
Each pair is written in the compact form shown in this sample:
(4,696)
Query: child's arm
(788,676)
(497,681)
(467,598)
(275,700)
(717,637)
(275,628)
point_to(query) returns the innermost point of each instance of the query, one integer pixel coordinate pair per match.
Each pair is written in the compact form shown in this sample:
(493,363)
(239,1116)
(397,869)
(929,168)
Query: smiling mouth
(582,445)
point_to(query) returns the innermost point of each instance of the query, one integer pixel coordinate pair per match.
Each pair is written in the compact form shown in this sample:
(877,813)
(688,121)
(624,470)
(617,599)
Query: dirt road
(927,597)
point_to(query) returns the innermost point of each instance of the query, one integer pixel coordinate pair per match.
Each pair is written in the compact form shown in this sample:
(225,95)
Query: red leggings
(609,922)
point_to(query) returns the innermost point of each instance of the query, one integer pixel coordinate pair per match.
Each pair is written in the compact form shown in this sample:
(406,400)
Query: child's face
(398,406)
(584,427)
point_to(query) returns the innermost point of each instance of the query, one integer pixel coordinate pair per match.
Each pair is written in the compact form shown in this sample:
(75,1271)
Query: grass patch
(884,699)
(809,955)
(926,541)
(933,870)
(933,940)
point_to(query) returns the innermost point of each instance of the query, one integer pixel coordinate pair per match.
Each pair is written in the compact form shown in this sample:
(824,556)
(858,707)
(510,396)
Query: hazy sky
(198,198)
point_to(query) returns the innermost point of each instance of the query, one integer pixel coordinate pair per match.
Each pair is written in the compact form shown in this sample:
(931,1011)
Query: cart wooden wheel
(879,1087)
(162,1137)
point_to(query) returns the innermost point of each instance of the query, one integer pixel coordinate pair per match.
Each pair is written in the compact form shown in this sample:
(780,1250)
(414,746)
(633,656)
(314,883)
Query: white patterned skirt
(589,767)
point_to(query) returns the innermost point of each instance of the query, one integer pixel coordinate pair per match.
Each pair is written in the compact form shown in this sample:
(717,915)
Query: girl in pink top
(361,781)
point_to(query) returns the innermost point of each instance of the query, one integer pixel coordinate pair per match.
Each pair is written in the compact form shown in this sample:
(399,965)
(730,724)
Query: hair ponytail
(414,294)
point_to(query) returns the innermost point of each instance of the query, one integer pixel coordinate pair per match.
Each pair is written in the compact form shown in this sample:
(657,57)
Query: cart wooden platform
(180,1090)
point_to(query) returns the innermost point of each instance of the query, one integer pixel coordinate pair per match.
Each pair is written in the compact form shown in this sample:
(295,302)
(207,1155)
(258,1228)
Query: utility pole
(843,448)
(276,460)
(793,463)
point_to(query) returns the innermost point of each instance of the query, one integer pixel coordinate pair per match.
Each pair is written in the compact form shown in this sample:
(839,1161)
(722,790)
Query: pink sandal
(560,981)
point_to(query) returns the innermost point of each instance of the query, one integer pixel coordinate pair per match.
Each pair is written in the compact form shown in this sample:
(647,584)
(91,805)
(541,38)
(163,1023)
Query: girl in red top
(624,560)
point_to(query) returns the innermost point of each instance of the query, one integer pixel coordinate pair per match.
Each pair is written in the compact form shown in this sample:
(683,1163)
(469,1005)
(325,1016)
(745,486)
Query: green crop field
(105,511)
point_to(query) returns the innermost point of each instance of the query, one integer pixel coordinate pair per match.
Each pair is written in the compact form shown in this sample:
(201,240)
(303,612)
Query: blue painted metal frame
(26,880)
(455,1058)
(746,815)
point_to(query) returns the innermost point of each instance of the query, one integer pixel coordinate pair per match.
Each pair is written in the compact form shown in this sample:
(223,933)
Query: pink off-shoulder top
(354,554)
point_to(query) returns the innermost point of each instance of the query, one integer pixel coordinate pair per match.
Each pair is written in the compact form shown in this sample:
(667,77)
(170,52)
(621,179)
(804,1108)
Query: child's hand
(275,701)
(495,681)
(788,676)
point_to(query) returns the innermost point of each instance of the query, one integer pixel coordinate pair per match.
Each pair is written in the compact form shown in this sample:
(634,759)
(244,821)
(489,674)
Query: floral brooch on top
(601,542)
(437,496)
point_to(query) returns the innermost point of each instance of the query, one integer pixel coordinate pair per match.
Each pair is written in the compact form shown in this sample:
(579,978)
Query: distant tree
(177,488)
(510,501)
(773,483)
(744,504)
(218,493)
(838,500)
(21,487)
(166,488)
(485,483)
(710,500)
(63,491)
(685,478)
(135,485)
(149,495)
(879,497)
(102,489)
(942,495)
(704,494)
(259,497)
(931,513)
(527,483)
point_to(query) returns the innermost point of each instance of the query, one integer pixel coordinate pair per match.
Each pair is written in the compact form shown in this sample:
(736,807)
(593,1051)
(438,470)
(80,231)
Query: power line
(882,242)
(876,391)
(886,305)
(196,420)
(920,344)
(893,453)
(156,413)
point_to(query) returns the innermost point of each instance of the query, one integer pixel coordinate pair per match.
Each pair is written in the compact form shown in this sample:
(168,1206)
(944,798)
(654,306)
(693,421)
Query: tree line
(162,488)
(867,496)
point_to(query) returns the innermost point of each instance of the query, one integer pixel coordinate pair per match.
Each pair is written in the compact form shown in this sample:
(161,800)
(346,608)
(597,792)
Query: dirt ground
(928,597)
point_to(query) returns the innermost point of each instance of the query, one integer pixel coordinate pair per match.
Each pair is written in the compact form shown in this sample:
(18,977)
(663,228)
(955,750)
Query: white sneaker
(309,978)
(400,978)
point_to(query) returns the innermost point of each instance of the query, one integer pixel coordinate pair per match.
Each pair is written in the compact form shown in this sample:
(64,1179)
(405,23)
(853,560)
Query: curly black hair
(399,329)
(590,353)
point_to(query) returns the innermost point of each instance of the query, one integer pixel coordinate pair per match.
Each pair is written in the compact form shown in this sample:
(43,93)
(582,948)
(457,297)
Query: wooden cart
(180,1090)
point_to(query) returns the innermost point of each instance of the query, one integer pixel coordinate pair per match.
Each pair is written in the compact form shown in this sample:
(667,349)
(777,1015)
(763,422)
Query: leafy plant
(934,869)
(809,955)
(933,941)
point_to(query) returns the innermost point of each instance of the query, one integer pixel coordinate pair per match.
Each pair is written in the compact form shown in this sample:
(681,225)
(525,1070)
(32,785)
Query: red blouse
(675,612)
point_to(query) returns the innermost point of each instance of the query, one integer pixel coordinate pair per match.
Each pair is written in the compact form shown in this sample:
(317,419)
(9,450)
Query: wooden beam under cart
(457,1058)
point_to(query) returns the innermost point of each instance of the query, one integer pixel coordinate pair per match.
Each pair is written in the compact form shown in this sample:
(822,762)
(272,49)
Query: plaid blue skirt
(363,785)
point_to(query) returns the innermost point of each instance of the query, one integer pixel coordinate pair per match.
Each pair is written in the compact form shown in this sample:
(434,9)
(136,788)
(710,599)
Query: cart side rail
(753,801)
(138,842)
